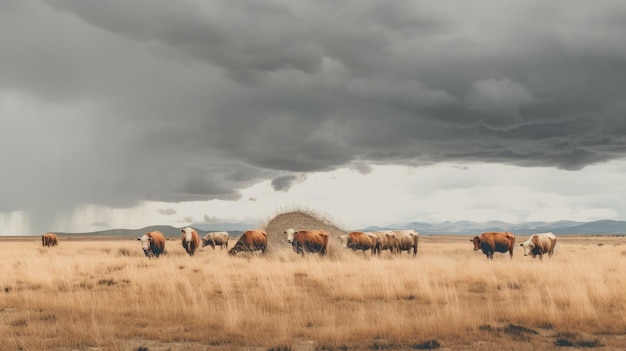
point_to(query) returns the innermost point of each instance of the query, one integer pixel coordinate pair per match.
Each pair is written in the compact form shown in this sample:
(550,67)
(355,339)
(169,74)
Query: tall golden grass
(105,294)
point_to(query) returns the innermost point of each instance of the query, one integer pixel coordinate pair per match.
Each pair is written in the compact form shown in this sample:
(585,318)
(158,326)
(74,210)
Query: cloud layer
(114,103)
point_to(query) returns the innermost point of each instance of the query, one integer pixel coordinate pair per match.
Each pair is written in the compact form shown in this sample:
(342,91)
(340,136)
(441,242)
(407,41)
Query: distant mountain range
(603,227)
(468,227)
(168,231)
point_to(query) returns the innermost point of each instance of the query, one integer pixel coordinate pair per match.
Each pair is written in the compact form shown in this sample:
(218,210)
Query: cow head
(476,240)
(529,247)
(145,244)
(345,239)
(206,240)
(290,233)
(187,231)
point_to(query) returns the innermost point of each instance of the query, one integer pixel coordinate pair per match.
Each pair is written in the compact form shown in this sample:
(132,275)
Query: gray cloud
(113,104)
(284,183)
(211,219)
(362,168)
(167,211)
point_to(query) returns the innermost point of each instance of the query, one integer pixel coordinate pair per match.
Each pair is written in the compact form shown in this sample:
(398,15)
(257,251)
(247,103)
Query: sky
(124,114)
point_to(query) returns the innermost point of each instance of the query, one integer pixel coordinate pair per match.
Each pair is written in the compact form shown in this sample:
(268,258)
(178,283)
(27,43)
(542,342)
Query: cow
(49,239)
(308,241)
(491,242)
(190,240)
(152,244)
(359,241)
(250,241)
(215,239)
(383,240)
(539,244)
(405,240)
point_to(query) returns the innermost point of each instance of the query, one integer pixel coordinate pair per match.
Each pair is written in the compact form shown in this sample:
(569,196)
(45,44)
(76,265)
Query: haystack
(298,220)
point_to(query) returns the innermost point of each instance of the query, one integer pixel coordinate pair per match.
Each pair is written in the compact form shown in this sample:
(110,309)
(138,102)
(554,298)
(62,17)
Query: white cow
(405,240)
(216,239)
(539,244)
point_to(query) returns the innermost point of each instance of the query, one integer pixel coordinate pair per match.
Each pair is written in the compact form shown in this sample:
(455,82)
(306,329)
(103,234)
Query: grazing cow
(383,240)
(190,240)
(250,241)
(152,244)
(215,239)
(359,241)
(49,239)
(309,241)
(539,244)
(405,240)
(491,242)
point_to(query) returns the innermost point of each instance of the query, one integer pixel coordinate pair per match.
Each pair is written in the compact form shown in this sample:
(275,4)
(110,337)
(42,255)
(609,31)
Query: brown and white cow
(214,239)
(383,240)
(190,240)
(405,240)
(359,241)
(152,243)
(491,242)
(539,244)
(250,241)
(308,241)
(49,239)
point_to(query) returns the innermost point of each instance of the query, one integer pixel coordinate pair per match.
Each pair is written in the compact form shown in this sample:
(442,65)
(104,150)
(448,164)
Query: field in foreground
(104,295)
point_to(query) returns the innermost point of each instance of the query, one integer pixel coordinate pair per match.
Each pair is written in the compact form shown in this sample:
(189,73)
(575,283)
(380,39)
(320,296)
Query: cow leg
(551,251)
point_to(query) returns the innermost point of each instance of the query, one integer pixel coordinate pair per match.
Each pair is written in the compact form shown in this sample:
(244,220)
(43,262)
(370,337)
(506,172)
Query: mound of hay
(298,220)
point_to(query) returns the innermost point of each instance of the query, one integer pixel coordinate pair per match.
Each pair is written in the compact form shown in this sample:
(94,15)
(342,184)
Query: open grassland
(99,294)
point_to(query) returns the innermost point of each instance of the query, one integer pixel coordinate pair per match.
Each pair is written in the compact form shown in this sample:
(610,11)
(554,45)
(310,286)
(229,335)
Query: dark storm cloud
(113,103)
(284,183)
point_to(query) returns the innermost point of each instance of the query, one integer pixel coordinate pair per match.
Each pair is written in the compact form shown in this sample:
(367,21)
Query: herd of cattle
(316,241)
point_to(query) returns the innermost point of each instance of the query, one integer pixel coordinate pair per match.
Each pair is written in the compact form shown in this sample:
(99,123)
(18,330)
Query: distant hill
(468,227)
(305,220)
(224,226)
(168,231)
(597,227)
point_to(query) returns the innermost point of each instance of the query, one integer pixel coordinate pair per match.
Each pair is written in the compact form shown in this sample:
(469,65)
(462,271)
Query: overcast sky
(133,113)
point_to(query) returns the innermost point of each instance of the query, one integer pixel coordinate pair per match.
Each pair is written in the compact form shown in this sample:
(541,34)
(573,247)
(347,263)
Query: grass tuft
(427,345)
(573,339)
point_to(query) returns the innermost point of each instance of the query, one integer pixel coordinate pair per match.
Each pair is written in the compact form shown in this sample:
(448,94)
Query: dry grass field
(103,294)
